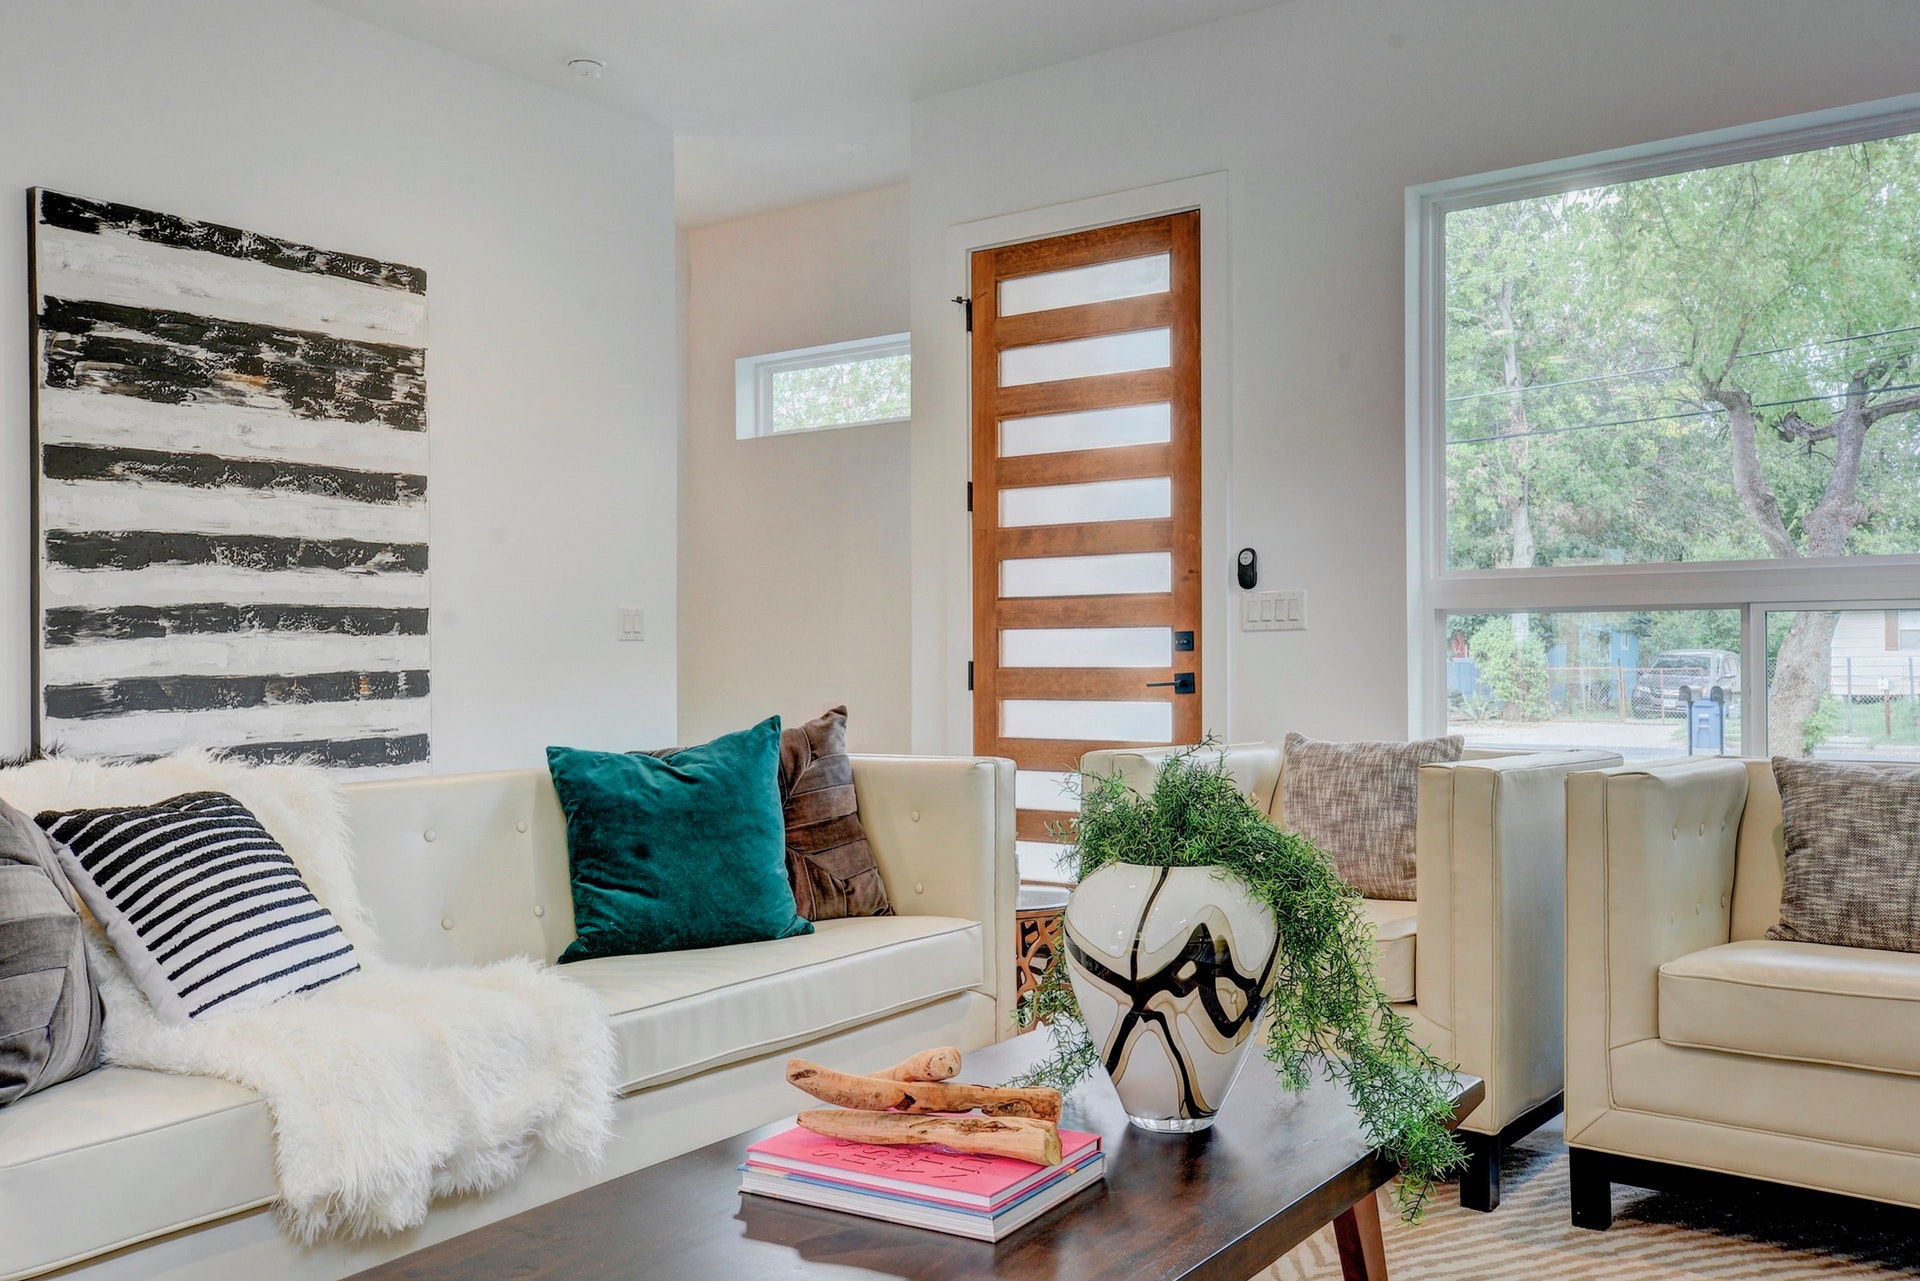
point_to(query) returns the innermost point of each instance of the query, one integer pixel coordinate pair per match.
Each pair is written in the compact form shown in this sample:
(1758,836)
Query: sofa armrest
(1254,767)
(942,831)
(1650,865)
(1492,866)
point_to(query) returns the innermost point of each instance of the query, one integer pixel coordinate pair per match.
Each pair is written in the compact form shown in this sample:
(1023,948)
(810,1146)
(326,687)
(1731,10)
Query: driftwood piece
(1022,1138)
(928,1065)
(876,1094)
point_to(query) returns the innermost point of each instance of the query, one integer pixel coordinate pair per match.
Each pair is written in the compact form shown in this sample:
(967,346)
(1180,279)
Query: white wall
(794,570)
(1322,112)
(546,228)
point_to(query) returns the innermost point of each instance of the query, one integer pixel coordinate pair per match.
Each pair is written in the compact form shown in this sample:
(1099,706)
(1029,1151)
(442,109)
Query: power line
(1668,369)
(1662,418)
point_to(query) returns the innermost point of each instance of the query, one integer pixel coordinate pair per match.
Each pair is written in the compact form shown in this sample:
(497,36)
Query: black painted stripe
(141,548)
(211,471)
(75,624)
(76,213)
(220,693)
(175,357)
(402,749)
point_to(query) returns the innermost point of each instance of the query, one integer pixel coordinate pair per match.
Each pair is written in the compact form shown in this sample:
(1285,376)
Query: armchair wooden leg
(1480,1181)
(1590,1190)
(1356,1231)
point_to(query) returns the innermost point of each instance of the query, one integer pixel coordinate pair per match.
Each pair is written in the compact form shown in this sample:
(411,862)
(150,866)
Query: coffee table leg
(1356,1230)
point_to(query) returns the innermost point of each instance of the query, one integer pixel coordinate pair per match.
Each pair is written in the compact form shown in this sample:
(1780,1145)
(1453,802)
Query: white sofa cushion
(1395,922)
(120,1155)
(1847,1006)
(678,1013)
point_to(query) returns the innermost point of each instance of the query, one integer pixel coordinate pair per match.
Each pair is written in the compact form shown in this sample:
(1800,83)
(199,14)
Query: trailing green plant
(1326,1009)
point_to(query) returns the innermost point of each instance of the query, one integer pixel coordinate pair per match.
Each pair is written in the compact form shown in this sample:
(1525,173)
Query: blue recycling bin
(1707,727)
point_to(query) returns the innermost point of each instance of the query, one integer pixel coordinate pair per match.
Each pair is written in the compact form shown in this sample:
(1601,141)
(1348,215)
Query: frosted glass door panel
(1090,719)
(1087,429)
(1149,498)
(1126,573)
(1086,357)
(1039,789)
(1087,647)
(1039,861)
(1077,286)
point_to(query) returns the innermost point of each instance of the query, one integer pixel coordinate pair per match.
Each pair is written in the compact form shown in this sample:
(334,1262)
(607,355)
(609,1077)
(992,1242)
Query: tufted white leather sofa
(1474,964)
(126,1174)
(1697,1048)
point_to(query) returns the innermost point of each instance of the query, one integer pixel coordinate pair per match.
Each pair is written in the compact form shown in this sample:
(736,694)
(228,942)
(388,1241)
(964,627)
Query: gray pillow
(1853,854)
(1360,802)
(50,1009)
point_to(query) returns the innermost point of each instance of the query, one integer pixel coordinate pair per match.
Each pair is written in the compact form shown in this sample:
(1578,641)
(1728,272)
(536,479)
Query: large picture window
(1665,406)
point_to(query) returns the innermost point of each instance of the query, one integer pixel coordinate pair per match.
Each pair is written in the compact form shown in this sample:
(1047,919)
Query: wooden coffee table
(1219,1206)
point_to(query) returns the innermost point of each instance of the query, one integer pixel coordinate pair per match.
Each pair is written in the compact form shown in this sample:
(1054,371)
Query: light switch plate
(631,623)
(1283,611)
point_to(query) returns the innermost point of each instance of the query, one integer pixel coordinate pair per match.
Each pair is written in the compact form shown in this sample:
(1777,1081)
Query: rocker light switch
(632,623)
(1284,611)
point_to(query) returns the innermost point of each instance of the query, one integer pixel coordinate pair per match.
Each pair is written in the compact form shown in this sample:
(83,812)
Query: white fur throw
(391,1086)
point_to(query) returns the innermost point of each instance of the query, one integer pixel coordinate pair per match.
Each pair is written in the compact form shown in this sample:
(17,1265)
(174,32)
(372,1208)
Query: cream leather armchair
(1474,963)
(1698,1048)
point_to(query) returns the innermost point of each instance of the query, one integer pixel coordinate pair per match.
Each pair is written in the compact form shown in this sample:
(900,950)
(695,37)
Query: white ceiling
(777,102)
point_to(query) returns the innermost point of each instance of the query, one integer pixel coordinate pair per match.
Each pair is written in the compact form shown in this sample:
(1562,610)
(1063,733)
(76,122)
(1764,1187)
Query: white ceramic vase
(1171,966)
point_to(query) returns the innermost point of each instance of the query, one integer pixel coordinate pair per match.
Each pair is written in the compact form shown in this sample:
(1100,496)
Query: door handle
(1182,683)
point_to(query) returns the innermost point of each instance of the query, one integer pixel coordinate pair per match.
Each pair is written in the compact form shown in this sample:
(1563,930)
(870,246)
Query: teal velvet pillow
(676,853)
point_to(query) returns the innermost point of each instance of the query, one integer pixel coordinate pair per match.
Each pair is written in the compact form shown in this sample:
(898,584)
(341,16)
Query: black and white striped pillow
(203,905)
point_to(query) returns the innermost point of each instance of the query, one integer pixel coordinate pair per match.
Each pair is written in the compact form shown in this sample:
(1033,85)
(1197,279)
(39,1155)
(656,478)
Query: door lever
(1182,683)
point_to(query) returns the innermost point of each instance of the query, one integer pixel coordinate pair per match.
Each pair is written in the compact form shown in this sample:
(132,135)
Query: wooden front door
(1086,503)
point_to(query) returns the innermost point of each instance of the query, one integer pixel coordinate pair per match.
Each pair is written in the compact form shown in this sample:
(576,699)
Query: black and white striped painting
(230,455)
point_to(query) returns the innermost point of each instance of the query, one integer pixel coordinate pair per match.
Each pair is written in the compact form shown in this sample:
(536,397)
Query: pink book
(935,1174)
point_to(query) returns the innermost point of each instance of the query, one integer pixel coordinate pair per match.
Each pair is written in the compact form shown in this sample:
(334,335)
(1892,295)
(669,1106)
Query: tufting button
(427,835)
(521,826)
(1703,829)
(1676,833)
(916,816)
(446,922)
(919,887)
(539,910)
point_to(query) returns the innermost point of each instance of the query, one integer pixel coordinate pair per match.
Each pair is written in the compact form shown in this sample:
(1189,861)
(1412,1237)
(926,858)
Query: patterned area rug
(1655,1237)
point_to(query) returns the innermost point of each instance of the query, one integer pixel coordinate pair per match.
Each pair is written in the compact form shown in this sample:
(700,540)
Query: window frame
(753,382)
(1752,586)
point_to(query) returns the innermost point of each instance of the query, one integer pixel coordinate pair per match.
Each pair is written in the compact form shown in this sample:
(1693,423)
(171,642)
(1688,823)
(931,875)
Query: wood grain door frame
(1178,534)
(943,537)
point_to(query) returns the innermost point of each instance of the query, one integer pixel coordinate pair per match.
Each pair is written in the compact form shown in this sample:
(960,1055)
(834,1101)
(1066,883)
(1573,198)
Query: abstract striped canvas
(230,454)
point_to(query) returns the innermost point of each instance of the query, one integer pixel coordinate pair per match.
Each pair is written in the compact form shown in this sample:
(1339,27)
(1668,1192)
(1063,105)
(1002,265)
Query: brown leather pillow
(829,862)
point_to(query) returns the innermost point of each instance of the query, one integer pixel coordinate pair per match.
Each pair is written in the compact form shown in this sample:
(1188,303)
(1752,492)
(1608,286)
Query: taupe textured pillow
(829,862)
(1853,854)
(50,1010)
(1359,803)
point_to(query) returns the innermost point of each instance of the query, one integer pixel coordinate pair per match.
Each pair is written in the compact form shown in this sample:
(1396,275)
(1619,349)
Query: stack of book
(984,1197)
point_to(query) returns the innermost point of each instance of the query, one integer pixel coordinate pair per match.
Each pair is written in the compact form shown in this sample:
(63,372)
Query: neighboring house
(1876,652)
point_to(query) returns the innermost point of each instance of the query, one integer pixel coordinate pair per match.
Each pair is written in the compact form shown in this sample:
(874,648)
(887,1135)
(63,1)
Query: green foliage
(1515,673)
(1587,335)
(1326,1009)
(855,391)
(1825,722)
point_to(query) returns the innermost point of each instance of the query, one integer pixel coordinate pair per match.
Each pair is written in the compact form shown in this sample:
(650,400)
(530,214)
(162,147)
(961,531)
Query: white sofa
(1474,964)
(1698,1048)
(126,1174)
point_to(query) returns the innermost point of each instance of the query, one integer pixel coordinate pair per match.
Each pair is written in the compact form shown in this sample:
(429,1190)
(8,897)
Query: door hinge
(966,303)
(969,674)
(969,495)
